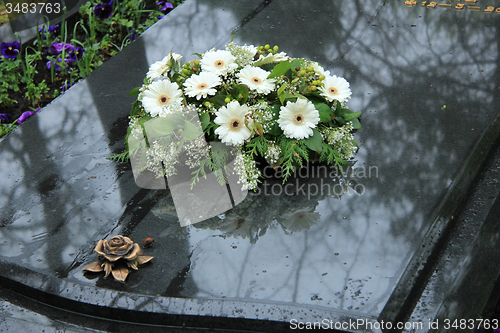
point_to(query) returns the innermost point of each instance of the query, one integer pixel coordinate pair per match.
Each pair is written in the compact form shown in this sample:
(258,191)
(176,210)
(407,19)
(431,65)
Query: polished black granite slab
(427,80)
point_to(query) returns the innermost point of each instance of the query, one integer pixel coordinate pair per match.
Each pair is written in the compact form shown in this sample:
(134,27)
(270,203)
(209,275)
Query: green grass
(4,18)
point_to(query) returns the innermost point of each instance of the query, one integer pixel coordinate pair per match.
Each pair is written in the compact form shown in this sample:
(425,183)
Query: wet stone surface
(427,81)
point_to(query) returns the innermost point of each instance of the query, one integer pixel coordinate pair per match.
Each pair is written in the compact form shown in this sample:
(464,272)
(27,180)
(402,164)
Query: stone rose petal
(136,251)
(112,258)
(107,268)
(141,260)
(120,274)
(132,265)
(124,247)
(113,243)
(93,267)
(118,245)
(99,248)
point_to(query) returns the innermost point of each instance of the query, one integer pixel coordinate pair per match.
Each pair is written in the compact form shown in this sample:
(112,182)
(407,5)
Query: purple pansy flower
(166,6)
(66,86)
(76,54)
(4,117)
(57,67)
(132,35)
(103,10)
(42,31)
(56,48)
(10,50)
(52,29)
(25,115)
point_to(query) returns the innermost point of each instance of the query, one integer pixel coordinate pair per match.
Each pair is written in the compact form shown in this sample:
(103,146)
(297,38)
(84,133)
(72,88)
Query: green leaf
(281,93)
(174,65)
(282,98)
(260,129)
(355,123)
(315,142)
(280,69)
(163,126)
(295,63)
(134,92)
(325,112)
(340,121)
(276,108)
(267,67)
(240,92)
(191,131)
(275,130)
(219,100)
(352,115)
(134,144)
(205,120)
(290,97)
(282,88)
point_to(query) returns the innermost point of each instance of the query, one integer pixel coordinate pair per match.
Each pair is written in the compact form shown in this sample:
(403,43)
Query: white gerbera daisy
(256,79)
(160,67)
(335,88)
(219,62)
(232,129)
(298,119)
(160,95)
(201,85)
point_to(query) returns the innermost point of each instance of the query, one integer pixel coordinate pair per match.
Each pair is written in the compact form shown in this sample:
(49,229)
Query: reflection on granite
(427,82)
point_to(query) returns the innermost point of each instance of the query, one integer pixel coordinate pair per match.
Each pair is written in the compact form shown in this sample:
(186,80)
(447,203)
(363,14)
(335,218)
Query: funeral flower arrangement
(261,102)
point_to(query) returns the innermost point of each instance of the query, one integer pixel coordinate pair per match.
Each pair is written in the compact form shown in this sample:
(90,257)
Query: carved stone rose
(115,252)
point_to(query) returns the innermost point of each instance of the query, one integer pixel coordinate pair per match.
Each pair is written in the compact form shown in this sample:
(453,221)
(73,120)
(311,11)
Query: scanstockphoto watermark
(354,325)
(321,180)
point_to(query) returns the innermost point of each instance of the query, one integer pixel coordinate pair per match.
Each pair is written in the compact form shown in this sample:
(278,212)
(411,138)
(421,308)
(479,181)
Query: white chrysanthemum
(256,79)
(219,62)
(249,49)
(271,58)
(161,95)
(335,88)
(319,70)
(201,85)
(244,54)
(160,67)
(232,129)
(298,119)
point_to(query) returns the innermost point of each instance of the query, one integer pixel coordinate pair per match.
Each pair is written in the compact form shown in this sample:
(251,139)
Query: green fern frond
(123,157)
(201,171)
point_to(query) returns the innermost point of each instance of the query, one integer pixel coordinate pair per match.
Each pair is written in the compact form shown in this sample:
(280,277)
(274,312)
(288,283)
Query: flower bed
(38,71)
